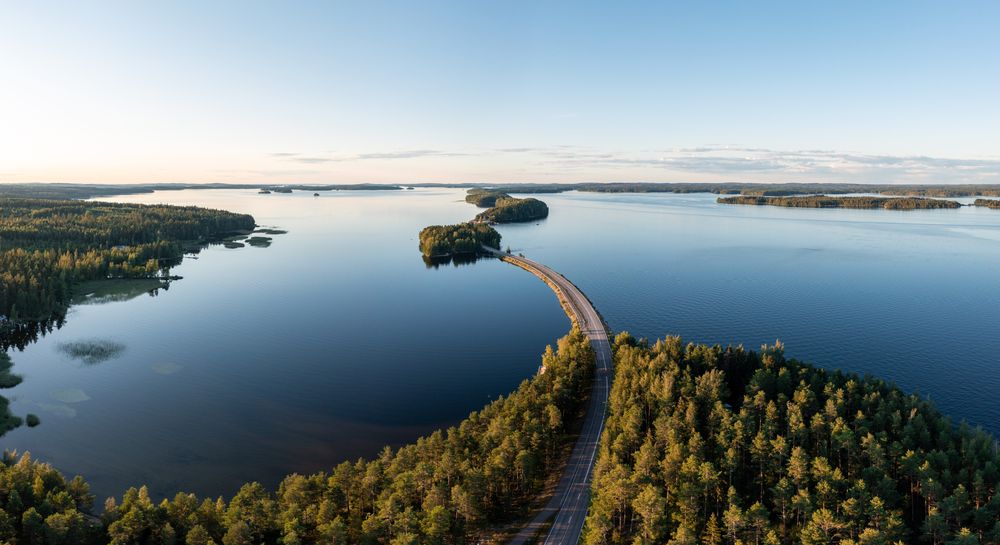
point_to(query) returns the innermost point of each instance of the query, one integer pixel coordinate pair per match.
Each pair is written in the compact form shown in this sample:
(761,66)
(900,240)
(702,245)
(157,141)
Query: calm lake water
(337,339)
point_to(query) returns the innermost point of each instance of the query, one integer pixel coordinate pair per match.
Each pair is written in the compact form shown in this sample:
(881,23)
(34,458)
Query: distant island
(824,201)
(988,203)
(90,191)
(514,210)
(505,209)
(87,191)
(462,238)
(730,188)
(484,198)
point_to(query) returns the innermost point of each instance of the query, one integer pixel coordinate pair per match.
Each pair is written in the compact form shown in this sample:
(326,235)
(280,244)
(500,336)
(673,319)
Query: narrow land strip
(568,506)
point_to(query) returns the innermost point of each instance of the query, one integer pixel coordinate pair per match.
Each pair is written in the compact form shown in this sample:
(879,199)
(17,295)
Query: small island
(484,198)
(505,209)
(824,201)
(988,203)
(513,210)
(462,239)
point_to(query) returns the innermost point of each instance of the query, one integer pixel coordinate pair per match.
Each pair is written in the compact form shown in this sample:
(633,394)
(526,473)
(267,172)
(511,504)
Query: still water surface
(329,344)
(337,339)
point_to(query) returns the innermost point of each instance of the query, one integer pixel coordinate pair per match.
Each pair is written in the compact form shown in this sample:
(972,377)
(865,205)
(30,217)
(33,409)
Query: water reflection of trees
(457,260)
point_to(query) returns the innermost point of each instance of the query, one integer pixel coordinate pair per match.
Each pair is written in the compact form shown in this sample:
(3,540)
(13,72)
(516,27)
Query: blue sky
(500,91)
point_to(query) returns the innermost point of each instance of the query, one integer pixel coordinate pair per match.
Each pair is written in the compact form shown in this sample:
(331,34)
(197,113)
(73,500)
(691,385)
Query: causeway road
(568,507)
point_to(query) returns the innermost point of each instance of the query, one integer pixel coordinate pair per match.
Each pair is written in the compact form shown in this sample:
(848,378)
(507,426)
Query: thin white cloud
(716,162)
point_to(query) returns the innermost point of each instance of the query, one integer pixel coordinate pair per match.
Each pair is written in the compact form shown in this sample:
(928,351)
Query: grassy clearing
(97,292)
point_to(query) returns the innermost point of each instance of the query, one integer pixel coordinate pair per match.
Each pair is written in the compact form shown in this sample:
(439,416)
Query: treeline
(988,203)
(452,487)
(86,191)
(726,446)
(89,191)
(758,189)
(513,210)
(462,238)
(39,506)
(48,245)
(823,201)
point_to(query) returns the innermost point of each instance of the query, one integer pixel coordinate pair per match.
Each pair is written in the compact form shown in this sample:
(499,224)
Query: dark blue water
(329,344)
(337,339)
(910,296)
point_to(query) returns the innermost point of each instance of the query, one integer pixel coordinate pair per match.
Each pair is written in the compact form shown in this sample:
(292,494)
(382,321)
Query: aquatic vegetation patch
(259,242)
(93,351)
(70,395)
(166,368)
(7,379)
(58,409)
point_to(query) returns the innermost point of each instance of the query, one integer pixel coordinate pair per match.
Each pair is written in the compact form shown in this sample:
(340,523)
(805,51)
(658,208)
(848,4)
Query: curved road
(572,495)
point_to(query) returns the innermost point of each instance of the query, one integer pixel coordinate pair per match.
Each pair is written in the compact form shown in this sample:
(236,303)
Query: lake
(338,339)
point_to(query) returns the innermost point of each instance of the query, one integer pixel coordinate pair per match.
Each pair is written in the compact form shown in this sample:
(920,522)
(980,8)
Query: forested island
(823,201)
(454,486)
(755,189)
(505,209)
(484,198)
(514,210)
(462,238)
(988,203)
(86,191)
(46,246)
(724,446)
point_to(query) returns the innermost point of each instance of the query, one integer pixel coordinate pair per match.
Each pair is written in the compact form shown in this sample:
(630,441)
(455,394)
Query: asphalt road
(569,504)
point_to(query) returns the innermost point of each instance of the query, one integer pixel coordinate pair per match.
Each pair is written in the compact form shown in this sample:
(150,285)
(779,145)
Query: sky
(484,91)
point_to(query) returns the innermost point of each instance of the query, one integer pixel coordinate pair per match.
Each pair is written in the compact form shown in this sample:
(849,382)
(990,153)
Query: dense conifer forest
(727,446)
(823,201)
(513,210)
(462,238)
(505,209)
(484,198)
(453,486)
(48,245)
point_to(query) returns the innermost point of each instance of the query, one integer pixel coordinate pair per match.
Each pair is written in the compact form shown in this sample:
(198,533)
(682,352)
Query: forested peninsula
(46,246)
(823,201)
(455,486)
(988,203)
(716,445)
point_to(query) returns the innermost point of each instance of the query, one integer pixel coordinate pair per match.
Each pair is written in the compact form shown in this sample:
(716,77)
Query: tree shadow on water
(456,260)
